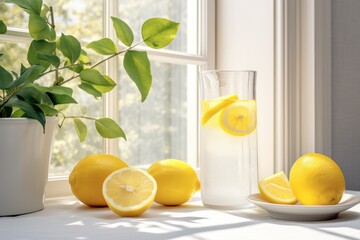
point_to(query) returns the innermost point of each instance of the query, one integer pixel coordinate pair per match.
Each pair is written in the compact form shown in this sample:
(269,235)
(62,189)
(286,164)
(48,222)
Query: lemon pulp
(276,189)
(239,118)
(129,191)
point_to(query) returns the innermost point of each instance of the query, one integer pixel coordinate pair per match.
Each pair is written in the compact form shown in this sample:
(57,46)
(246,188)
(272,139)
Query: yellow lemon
(239,118)
(317,180)
(129,191)
(210,107)
(176,181)
(88,175)
(276,189)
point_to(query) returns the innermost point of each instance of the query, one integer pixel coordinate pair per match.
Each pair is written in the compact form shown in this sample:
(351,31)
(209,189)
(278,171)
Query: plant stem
(102,61)
(65,67)
(74,117)
(53,27)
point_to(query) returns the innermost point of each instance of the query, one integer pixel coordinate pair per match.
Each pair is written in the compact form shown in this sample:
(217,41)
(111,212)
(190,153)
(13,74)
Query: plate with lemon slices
(316,181)
(298,212)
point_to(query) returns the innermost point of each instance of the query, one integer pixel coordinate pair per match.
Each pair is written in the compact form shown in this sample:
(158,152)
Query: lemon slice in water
(239,118)
(210,107)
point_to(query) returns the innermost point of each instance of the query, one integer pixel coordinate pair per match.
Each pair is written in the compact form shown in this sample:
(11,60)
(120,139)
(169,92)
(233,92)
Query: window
(164,126)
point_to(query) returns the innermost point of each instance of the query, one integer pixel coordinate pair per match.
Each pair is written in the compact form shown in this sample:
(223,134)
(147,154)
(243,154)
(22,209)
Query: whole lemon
(316,179)
(176,181)
(88,175)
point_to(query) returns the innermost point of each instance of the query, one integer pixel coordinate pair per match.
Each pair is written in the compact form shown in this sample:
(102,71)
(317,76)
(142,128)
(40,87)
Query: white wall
(244,41)
(346,88)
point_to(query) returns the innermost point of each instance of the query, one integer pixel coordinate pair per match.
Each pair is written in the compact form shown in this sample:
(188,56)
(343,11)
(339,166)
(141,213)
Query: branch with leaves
(22,96)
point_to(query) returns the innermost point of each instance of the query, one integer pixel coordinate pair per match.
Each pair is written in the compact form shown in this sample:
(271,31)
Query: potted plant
(30,111)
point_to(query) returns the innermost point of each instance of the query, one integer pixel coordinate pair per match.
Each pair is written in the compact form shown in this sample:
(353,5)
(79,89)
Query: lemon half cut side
(129,191)
(276,189)
(239,118)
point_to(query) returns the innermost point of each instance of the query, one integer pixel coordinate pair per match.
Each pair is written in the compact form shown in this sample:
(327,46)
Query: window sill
(66,218)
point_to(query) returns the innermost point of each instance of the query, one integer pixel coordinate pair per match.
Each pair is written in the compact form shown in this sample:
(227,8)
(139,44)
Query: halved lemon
(212,106)
(129,191)
(276,189)
(239,118)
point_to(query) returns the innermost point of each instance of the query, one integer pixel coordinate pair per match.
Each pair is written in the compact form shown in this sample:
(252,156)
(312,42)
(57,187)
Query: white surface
(302,212)
(69,219)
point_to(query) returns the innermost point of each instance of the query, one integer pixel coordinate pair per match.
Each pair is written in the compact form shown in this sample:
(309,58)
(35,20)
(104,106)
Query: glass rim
(228,70)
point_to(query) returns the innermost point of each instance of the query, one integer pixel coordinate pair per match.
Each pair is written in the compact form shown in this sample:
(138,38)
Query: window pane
(80,18)
(67,148)
(14,55)
(13,16)
(183,11)
(157,128)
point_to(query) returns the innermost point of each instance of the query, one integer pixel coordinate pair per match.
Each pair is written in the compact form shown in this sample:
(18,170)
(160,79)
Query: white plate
(300,212)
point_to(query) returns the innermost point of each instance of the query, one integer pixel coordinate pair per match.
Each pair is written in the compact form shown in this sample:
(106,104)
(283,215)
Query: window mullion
(110,99)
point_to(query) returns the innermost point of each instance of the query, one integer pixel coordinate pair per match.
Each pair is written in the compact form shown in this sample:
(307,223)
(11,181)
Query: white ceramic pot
(25,153)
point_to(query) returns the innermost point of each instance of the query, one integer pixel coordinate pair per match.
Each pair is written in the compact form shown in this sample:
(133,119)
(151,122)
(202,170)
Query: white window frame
(308,44)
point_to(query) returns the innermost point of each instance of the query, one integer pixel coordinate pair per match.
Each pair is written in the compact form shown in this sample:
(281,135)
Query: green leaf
(81,129)
(32,7)
(48,111)
(50,58)
(5,78)
(37,49)
(5,112)
(108,128)
(3,27)
(59,94)
(57,90)
(61,98)
(104,46)
(18,113)
(22,69)
(32,94)
(108,88)
(94,77)
(159,32)
(28,76)
(123,31)
(137,66)
(90,89)
(39,29)
(80,64)
(70,47)
(31,110)
(44,11)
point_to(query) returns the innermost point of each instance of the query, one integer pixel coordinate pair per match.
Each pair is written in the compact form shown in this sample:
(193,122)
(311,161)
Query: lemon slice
(212,106)
(239,118)
(276,189)
(129,191)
